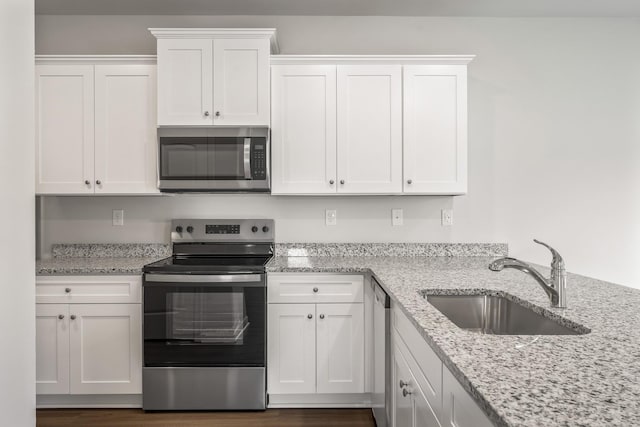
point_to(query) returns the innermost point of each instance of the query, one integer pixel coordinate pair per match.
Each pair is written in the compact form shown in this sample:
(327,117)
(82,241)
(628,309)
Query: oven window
(190,325)
(192,158)
(197,318)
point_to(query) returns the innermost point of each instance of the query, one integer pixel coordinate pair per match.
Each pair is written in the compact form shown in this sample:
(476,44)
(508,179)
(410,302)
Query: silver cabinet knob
(98,182)
(217,113)
(322,316)
(206,114)
(60,316)
(409,181)
(67,290)
(309,316)
(73,317)
(87,182)
(403,384)
(315,290)
(342,181)
(331,182)
(405,392)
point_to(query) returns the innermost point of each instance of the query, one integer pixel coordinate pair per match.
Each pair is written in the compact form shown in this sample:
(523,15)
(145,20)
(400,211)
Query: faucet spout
(555,287)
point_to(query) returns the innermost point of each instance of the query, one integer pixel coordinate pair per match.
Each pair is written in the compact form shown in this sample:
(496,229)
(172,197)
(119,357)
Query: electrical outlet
(447,217)
(118,217)
(396,216)
(331,217)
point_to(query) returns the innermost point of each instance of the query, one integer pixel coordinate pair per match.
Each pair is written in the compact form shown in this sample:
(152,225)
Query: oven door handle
(247,158)
(249,279)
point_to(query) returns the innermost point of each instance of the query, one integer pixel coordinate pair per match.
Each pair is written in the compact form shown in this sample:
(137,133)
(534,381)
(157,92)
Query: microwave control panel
(259,159)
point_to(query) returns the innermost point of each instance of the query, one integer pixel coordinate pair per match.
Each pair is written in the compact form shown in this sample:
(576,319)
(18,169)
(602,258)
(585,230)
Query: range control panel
(222,230)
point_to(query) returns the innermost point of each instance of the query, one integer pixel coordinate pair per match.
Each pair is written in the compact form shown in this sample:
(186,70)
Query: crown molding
(372,59)
(219,33)
(96,59)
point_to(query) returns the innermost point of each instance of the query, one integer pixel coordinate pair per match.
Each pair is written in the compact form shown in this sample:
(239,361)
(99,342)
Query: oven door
(204,320)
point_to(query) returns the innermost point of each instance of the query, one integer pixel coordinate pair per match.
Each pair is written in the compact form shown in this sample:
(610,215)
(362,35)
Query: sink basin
(497,315)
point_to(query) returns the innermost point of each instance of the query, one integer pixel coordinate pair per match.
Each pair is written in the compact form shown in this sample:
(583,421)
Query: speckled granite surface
(110,250)
(570,380)
(101,258)
(391,249)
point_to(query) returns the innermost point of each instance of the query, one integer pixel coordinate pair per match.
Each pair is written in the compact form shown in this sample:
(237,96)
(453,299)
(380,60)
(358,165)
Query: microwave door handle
(247,158)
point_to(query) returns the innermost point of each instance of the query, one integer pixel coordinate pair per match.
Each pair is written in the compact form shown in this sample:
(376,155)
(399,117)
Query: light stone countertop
(92,266)
(581,380)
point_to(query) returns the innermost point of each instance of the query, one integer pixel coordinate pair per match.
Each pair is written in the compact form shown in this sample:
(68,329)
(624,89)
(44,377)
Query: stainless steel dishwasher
(382,356)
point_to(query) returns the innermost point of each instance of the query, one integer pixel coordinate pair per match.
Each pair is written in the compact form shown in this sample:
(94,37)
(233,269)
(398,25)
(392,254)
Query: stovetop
(208,265)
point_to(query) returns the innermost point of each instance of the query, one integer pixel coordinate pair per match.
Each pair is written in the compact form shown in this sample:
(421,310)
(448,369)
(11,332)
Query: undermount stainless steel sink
(497,315)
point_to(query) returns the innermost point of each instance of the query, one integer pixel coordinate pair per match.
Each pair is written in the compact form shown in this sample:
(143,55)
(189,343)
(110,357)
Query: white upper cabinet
(125,132)
(370,129)
(303,133)
(64,129)
(185,82)
(95,125)
(214,77)
(369,124)
(435,129)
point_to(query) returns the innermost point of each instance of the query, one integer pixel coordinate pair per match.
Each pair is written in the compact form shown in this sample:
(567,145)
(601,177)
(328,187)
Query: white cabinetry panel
(303,134)
(459,409)
(315,288)
(52,348)
(435,129)
(64,129)
(369,128)
(185,82)
(340,348)
(105,348)
(125,125)
(291,356)
(241,82)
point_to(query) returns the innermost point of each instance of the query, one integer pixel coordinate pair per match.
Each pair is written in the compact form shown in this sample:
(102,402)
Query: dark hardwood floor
(269,418)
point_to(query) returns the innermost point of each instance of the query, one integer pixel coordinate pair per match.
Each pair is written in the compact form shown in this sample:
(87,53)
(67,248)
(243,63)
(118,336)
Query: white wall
(17,308)
(553,136)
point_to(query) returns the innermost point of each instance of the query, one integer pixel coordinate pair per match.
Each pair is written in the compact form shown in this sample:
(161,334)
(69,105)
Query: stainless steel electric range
(204,326)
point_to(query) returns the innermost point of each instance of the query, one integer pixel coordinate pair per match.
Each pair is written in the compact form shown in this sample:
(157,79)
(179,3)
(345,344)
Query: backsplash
(392,249)
(110,250)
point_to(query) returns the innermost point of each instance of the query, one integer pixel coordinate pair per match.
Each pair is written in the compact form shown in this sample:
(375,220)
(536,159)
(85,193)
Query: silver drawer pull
(403,384)
(405,392)
(60,316)
(322,316)
(315,290)
(73,317)
(67,290)
(309,316)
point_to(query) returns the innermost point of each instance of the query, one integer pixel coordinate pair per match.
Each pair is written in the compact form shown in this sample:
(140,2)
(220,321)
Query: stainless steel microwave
(213,160)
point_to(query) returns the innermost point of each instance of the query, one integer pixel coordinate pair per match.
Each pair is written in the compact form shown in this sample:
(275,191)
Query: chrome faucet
(555,287)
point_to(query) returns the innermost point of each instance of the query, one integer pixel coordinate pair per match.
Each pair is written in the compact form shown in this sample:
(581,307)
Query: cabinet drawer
(428,369)
(314,288)
(88,289)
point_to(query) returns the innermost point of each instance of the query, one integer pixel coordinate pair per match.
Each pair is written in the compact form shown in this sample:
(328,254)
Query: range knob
(189,229)
(265,229)
(179,229)
(254,229)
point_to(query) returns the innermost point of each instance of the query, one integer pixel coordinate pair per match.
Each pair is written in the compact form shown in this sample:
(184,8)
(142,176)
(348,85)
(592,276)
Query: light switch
(118,217)
(396,216)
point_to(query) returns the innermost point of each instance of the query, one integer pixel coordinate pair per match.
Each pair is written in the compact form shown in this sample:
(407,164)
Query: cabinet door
(291,348)
(125,124)
(241,82)
(435,129)
(459,409)
(303,132)
(52,349)
(340,347)
(64,129)
(185,82)
(369,129)
(402,403)
(105,349)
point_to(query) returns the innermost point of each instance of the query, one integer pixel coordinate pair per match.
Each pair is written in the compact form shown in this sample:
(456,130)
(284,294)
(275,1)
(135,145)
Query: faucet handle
(557,262)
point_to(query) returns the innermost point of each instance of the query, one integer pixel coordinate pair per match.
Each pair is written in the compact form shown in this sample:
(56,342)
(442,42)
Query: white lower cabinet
(88,348)
(316,349)
(425,393)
